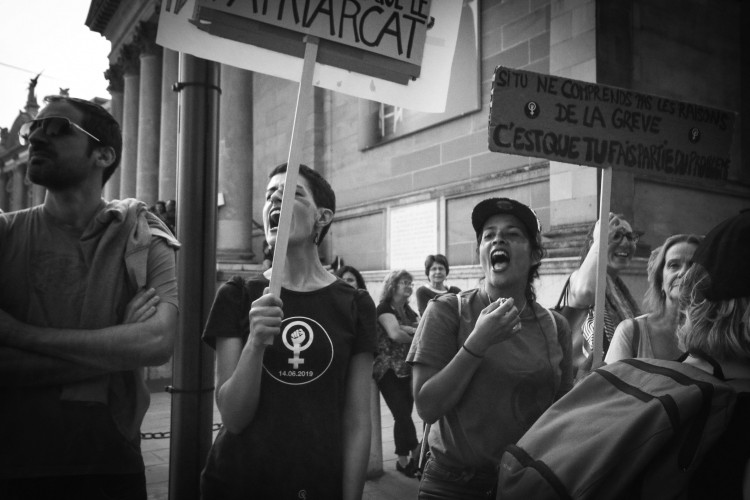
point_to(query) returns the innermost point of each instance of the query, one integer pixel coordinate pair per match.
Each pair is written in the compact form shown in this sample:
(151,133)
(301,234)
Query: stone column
(320,156)
(18,188)
(149,111)
(235,217)
(3,191)
(168,127)
(115,88)
(131,65)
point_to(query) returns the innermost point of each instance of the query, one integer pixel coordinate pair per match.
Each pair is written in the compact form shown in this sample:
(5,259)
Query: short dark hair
(322,192)
(440,259)
(101,124)
(341,271)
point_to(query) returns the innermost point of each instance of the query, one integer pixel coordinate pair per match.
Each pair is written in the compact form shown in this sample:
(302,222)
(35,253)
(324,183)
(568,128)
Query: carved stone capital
(114,75)
(130,59)
(145,38)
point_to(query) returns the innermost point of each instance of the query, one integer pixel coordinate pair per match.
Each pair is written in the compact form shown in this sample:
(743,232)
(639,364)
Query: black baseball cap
(723,253)
(493,206)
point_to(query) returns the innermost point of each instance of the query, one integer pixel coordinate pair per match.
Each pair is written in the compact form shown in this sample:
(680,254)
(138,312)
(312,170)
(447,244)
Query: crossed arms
(39,356)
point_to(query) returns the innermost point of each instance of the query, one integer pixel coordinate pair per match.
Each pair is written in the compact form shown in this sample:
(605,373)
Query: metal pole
(192,378)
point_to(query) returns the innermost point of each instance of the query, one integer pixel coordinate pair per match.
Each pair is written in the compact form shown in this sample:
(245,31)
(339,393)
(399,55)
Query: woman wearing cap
(715,295)
(489,361)
(436,269)
(653,335)
(619,304)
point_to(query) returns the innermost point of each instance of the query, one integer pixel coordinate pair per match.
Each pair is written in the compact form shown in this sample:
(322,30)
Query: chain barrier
(166,434)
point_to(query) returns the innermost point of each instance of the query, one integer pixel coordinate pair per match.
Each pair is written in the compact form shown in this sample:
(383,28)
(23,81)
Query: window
(413,234)
(381,122)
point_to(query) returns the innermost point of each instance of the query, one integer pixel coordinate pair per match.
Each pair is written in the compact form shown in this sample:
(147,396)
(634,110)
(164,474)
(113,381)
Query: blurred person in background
(654,335)
(436,269)
(397,323)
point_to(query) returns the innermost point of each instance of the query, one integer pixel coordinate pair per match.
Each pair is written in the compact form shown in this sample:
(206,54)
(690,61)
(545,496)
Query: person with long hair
(293,371)
(397,323)
(436,269)
(654,335)
(488,361)
(715,297)
(351,276)
(619,303)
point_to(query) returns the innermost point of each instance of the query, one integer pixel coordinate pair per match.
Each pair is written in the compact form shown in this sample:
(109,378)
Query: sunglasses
(619,235)
(52,126)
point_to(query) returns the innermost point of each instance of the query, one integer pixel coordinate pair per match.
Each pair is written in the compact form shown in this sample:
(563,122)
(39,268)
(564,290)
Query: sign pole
(601,267)
(304,102)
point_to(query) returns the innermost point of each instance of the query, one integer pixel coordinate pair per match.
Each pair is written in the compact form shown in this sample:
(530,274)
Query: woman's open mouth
(499,260)
(273,218)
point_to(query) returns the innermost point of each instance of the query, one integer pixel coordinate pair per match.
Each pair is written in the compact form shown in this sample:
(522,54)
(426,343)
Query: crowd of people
(166,211)
(88,299)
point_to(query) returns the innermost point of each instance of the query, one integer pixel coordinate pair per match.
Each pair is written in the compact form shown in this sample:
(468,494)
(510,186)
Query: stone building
(406,181)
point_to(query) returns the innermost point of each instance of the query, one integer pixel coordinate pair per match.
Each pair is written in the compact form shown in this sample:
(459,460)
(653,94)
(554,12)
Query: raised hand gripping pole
(304,102)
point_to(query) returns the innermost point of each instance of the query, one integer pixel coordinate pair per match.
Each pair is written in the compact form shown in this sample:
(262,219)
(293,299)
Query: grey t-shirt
(515,383)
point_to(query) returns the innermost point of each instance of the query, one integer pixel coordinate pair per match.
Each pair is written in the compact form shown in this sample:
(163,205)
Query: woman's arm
(396,331)
(239,368)
(357,426)
(583,281)
(438,390)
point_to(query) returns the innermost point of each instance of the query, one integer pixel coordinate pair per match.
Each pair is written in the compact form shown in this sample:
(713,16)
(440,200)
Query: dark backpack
(633,429)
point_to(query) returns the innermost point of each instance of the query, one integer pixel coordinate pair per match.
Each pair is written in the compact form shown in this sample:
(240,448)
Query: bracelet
(472,353)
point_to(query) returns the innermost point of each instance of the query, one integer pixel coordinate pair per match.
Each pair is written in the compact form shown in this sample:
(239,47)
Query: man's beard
(52,177)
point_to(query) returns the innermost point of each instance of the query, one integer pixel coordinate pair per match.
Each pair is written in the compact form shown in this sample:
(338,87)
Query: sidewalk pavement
(392,485)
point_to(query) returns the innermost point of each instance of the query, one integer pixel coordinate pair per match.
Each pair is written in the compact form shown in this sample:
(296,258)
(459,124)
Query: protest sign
(384,39)
(597,125)
(427,93)
(584,123)
(269,37)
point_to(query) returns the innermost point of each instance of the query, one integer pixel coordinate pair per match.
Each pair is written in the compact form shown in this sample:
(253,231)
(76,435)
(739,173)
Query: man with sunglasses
(88,298)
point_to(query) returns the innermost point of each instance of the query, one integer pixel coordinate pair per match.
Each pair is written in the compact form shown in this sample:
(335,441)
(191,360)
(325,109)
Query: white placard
(427,93)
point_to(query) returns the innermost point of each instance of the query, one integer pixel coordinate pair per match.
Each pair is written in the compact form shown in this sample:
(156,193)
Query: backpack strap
(563,300)
(554,320)
(718,372)
(636,337)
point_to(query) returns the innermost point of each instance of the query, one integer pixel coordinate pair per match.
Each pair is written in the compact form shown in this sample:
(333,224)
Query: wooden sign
(597,125)
(381,38)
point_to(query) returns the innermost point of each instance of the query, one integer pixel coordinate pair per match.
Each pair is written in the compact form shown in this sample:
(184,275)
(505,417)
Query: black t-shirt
(294,443)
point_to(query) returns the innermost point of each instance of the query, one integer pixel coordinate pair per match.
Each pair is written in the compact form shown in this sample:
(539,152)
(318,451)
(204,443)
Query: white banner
(427,93)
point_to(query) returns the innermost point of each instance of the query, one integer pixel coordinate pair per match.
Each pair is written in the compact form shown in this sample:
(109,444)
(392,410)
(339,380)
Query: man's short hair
(100,123)
(322,192)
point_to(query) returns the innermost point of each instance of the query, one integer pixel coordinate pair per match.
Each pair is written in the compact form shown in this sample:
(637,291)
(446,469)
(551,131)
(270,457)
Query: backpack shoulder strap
(554,321)
(636,337)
